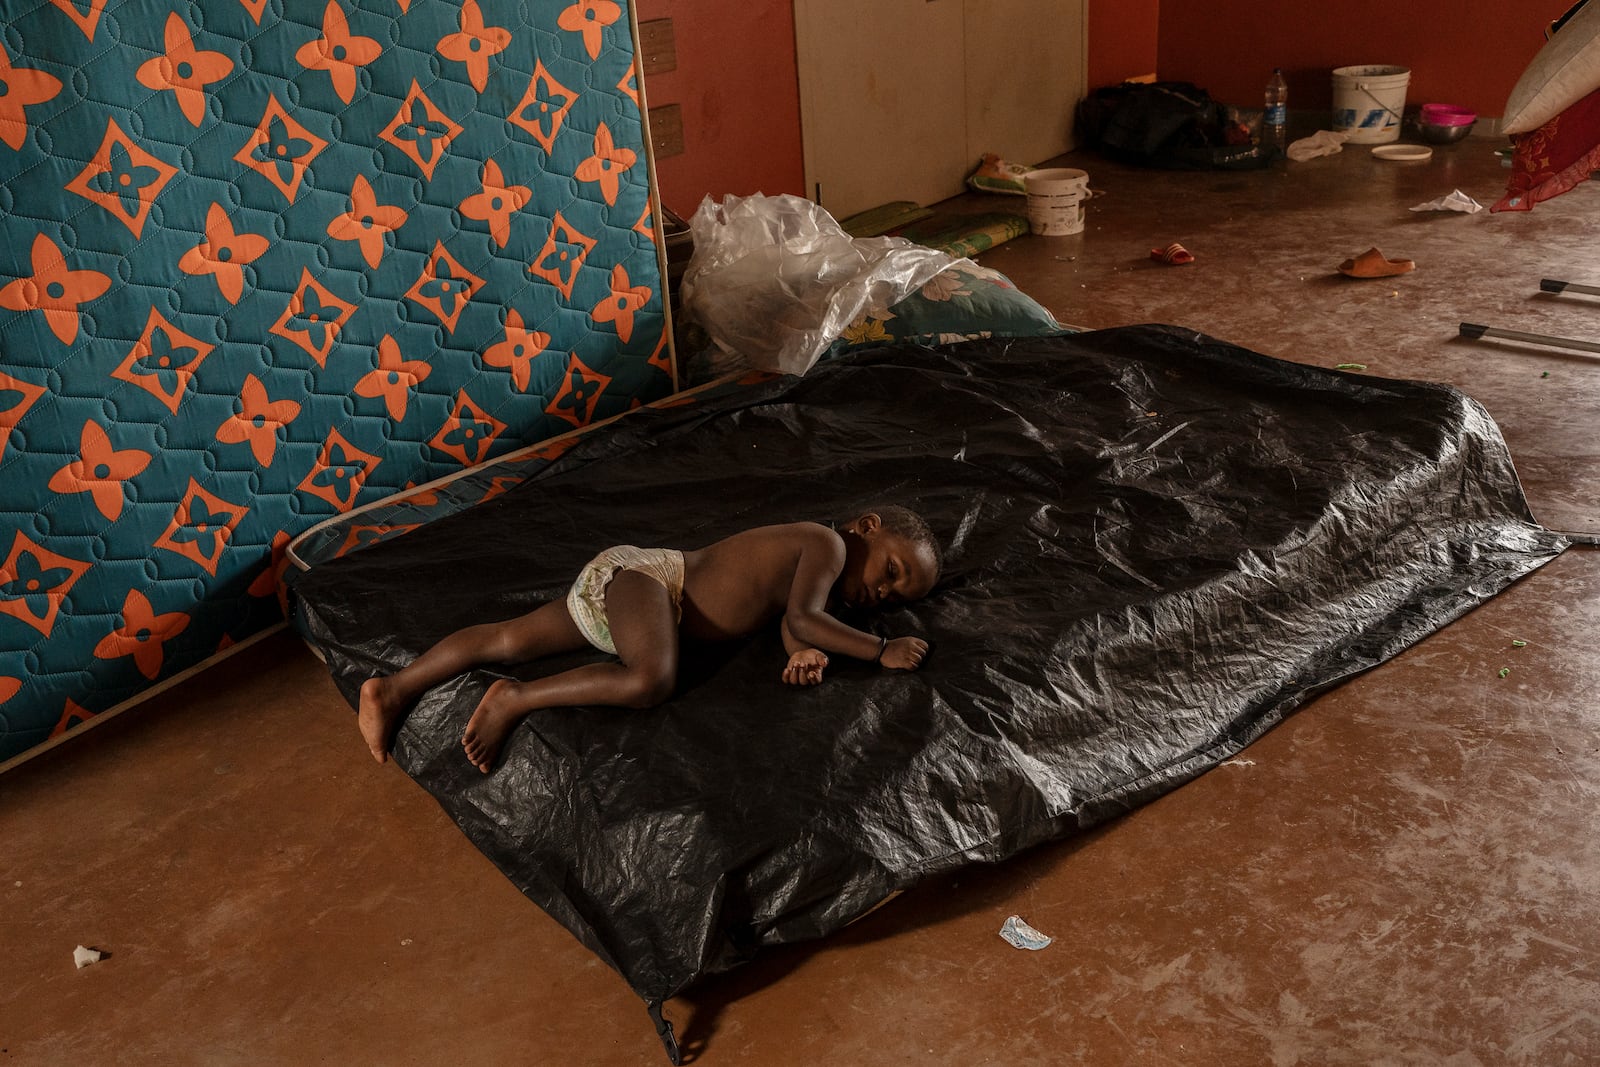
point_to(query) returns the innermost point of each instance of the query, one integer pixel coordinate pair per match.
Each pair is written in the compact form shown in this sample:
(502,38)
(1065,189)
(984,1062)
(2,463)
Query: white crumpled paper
(1019,934)
(1321,143)
(1456,201)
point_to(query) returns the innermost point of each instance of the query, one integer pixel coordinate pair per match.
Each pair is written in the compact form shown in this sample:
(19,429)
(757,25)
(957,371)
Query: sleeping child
(637,603)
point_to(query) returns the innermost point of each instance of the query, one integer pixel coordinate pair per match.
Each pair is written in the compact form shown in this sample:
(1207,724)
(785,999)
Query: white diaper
(586,600)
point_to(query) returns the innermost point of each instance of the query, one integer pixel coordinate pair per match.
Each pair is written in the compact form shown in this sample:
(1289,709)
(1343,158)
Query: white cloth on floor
(1321,143)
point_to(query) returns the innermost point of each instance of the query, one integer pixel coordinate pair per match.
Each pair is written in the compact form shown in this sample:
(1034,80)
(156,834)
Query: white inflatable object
(1566,70)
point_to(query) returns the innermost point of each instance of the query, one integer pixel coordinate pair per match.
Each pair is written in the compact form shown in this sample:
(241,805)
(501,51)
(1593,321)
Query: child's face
(890,569)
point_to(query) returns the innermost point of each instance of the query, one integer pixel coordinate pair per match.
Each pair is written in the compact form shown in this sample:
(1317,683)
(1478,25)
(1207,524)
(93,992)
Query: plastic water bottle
(1275,120)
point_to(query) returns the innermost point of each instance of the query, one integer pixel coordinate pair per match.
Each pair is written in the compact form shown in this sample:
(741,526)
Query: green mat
(954,234)
(885,217)
(965,235)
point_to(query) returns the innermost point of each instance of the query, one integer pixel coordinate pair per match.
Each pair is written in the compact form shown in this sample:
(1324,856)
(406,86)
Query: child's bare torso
(742,583)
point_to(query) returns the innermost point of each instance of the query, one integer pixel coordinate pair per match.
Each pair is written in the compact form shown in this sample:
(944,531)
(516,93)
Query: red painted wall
(1122,40)
(740,95)
(737,84)
(1468,52)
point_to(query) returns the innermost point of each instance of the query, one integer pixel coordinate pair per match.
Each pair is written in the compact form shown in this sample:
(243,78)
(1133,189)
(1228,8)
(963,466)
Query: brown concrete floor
(1406,871)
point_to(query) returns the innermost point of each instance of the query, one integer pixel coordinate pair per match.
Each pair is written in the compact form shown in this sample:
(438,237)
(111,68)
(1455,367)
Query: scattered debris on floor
(1504,671)
(1238,763)
(1455,201)
(1519,644)
(84,956)
(1349,366)
(1019,934)
(1373,264)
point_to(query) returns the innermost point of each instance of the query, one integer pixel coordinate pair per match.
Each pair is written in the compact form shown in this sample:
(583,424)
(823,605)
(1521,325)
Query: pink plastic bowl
(1447,115)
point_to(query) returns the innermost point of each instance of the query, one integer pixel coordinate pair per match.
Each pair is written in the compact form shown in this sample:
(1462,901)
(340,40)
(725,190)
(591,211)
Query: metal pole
(1472,332)
(1551,285)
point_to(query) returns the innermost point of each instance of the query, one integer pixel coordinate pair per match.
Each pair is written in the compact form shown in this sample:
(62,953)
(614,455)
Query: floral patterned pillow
(963,303)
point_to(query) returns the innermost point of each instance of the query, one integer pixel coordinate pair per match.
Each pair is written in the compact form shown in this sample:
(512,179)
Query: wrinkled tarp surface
(1157,545)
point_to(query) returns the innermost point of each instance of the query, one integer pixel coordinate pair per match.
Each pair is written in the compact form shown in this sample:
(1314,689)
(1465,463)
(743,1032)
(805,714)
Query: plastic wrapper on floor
(1157,545)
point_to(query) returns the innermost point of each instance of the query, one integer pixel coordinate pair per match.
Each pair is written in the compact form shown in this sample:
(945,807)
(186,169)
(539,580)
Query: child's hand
(903,653)
(805,667)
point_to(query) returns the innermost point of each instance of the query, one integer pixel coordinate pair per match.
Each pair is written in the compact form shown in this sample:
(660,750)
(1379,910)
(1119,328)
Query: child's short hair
(914,528)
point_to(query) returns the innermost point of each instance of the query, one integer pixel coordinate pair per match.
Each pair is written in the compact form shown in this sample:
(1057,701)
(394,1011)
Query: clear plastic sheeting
(1157,545)
(775,280)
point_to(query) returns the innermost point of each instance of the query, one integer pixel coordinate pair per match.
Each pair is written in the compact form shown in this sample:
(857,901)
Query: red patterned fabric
(1555,157)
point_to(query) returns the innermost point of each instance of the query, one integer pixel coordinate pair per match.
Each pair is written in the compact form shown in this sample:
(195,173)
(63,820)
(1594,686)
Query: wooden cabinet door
(899,98)
(882,100)
(1027,69)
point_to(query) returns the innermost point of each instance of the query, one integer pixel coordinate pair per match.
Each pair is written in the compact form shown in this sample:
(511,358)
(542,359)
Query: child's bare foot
(377,713)
(491,724)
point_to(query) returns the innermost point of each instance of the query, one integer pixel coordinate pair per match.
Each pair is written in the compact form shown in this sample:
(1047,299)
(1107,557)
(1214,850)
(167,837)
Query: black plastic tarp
(1157,544)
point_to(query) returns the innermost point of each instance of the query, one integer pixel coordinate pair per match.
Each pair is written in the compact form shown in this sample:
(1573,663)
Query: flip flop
(1372,264)
(1175,254)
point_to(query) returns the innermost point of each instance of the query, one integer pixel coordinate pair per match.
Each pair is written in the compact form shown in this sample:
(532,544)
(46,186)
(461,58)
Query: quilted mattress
(261,262)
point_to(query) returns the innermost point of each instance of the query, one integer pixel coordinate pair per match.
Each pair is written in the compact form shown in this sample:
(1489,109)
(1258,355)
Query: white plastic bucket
(1055,200)
(1368,102)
